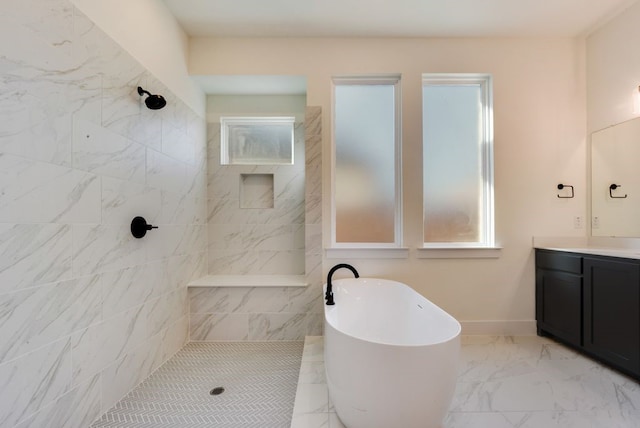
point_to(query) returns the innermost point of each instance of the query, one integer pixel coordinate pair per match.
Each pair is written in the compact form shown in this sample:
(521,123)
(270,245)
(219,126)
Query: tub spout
(328,295)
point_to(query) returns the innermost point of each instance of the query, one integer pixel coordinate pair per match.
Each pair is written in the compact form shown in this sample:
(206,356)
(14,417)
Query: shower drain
(217,390)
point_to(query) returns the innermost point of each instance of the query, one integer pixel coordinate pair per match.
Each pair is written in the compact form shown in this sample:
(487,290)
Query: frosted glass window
(365,203)
(256,140)
(457,164)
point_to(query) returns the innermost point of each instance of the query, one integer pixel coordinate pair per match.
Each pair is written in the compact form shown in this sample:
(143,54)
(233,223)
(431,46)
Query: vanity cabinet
(559,295)
(612,310)
(591,303)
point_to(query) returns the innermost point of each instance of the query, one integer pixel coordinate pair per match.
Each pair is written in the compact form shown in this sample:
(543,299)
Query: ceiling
(378,18)
(393,18)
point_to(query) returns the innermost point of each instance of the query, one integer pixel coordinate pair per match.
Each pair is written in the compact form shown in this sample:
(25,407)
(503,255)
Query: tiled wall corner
(284,240)
(87,310)
(312,296)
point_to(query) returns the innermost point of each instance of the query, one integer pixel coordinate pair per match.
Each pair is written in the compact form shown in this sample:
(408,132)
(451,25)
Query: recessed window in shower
(256,190)
(256,140)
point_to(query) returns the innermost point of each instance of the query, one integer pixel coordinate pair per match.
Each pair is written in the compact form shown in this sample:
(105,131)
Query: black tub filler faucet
(328,295)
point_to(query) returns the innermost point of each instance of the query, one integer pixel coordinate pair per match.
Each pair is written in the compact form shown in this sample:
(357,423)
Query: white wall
(267,105)
(147,30)
(613,70)
(539,103)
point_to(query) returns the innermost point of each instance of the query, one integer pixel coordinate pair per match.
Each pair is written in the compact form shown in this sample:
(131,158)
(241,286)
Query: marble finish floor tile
(313,407)
(259,381)
(503,382)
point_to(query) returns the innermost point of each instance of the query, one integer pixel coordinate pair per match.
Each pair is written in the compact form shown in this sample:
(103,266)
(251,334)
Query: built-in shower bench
(250,281)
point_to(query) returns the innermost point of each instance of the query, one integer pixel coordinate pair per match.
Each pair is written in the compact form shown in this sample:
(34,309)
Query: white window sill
(443,252)
(367,253)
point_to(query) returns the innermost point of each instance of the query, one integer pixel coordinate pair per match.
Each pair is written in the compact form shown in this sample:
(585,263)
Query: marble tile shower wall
(255,240)
(285,239)
(86,310)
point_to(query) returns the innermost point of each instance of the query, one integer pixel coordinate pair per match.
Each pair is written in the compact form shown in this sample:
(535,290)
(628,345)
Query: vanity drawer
(559,261)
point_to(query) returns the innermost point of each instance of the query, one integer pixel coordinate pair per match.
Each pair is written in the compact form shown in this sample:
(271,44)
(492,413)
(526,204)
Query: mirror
(615,180)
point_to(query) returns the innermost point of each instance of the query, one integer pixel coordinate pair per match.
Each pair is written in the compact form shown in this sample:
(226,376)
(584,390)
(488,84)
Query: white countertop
(584,246)
(626,253)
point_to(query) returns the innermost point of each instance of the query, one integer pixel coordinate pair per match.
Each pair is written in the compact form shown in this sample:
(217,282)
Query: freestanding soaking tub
(391,356)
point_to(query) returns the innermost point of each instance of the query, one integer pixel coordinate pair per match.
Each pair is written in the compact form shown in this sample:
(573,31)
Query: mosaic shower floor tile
(258,382)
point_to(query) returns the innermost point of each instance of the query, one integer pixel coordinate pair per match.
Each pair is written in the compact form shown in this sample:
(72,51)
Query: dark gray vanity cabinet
(559,295)
(591,303)
(612,310)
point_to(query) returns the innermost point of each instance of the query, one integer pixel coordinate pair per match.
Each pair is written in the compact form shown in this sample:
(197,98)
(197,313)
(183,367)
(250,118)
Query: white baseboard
(501,328)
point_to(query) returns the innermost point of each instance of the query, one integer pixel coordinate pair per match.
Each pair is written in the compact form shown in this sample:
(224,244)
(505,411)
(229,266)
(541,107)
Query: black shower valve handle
(139,227)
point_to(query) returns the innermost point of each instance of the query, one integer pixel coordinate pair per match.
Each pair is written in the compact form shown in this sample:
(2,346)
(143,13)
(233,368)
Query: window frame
(485,81)
(385,79)
(225,121)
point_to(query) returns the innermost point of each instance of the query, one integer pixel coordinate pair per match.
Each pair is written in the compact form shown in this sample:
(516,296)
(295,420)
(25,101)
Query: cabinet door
(559,304)
(611,311)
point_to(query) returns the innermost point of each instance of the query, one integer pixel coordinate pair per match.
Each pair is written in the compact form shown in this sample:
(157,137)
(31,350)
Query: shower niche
(256,191)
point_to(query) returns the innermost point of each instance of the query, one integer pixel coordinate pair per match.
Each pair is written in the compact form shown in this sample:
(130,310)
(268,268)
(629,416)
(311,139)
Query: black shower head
(153,102)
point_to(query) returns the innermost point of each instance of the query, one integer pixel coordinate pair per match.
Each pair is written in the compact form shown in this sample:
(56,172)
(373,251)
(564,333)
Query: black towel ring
(614,187)
(562,186)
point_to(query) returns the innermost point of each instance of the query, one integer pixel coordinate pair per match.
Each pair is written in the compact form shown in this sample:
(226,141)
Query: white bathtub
(391,355)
